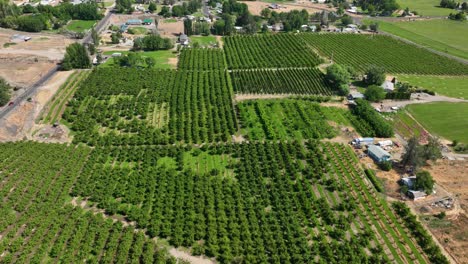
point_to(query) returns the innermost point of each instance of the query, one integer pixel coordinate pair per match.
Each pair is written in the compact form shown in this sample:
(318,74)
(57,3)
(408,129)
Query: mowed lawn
(80,25)
(447,120)
(162,58)
(443,35)
(425,7)
(453,86)
(204,41)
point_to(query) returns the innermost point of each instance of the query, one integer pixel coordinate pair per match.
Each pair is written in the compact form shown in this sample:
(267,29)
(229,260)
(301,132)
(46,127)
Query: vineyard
(287,81)
(362,51)
(136,107)
(201,59)
(39,224)
(268,51)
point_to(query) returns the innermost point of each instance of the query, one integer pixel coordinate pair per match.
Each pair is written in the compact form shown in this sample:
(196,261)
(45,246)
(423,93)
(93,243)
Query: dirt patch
(173,61)
(23,70)
(255,7)
(170,30)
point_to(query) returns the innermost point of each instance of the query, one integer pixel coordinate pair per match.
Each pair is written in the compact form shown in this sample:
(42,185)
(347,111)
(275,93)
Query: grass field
(447,120)
(137,30)
(443,35)
(162,58)
(425,7)
(170,20)
(80,25)
(452,86)
(204,41)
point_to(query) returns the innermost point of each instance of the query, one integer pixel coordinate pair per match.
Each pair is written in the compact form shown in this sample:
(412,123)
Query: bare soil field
(20,124)
(23,70)
(170,30)
(255,7)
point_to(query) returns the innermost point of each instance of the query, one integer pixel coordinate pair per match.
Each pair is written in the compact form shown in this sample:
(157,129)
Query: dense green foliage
(364,51)
(268,51)
(283,119)
(201,59)
(374,93)
(153,42)
(369,122)
(281,81)
(5,92)
(40,224)
(119,106)
(76,57)
(339,77)
(375,76)
(424,182)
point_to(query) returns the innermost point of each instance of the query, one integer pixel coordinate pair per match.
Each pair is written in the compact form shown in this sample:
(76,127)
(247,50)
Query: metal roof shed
(378,154)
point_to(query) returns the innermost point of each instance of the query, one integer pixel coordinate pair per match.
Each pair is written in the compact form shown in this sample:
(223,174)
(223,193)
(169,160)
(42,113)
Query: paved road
(102,24)
(7,109)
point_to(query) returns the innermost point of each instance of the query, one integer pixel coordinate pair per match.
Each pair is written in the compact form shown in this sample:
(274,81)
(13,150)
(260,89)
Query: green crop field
(161,57)
(452,86)
(363,51)
(268,51)
(80,25)
(439,34)
(425,7)
(201,59)
(447,120)
(286,81)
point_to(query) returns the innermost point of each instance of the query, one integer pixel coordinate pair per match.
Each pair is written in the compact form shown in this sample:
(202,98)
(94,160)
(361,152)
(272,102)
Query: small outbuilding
(385,143)
(378,154)
(355,95)
(183,39)
(134,22)
(147,21)
(388,86)
(416,195)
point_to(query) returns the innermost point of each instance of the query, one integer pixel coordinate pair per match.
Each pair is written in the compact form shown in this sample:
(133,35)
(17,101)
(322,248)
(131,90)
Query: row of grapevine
(126,106)
(362,51)
(293,210)
(283,81)
(268,51)
(283,119)
(201,59)
(39,224)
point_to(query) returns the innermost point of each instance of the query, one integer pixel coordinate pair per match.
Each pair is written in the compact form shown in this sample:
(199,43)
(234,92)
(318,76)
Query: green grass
(442,35)
(170,20)
(137,30)
(80,25)
(205,163)
(425,7)
(204,41)
(447,120)
(452,86)
(161,56)
(8,44)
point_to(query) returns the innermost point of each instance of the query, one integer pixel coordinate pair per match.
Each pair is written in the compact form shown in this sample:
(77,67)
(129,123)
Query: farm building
(408,181)
(123,28)
(134,22)
(385,143)
(363,141)
(355,95)
(183,39)
(388,86)
(274,6)
(147,21)
(378,154)
(416,195)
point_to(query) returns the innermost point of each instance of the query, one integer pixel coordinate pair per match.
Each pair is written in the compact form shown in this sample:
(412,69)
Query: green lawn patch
(137,30)
(205,163)
(442,35)
(204,41)
(425,7)
(453,86)
(161,56)
(170,20)
(447,120)
(80,25)
(8,44)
